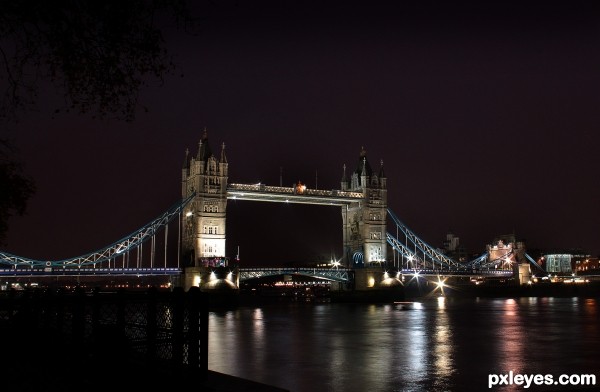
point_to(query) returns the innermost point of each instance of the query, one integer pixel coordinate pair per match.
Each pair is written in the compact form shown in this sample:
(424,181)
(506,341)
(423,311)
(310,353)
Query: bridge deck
(338,274)
(88,271)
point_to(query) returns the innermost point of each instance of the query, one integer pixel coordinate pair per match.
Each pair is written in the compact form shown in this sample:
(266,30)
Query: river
(443,344)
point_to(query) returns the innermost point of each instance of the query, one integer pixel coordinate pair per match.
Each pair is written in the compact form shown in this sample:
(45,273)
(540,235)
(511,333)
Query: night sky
(486,119)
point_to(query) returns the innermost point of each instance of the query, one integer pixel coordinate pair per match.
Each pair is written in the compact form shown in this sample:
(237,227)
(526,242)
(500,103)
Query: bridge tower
(364,223)
(203,239)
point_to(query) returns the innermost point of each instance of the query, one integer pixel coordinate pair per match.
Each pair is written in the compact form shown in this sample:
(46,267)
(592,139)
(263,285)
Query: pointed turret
(204,151)
(381,171)
(344,182)
(223,157)
(186,161)
(364,168)
(185,172)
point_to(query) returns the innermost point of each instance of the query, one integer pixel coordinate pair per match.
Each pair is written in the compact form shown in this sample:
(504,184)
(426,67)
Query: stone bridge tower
(203,224)
(364,223)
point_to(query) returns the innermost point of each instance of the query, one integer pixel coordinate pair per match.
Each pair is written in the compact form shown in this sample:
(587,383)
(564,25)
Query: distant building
(507,248)
(453,249)
(559,263)
(567,262)
(451,243)
(587,264)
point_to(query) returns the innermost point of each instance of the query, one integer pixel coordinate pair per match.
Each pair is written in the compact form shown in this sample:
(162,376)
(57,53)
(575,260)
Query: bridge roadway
(72,271)
(334,274)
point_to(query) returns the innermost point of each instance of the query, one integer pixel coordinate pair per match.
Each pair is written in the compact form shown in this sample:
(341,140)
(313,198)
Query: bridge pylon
(204,221)
(364,222)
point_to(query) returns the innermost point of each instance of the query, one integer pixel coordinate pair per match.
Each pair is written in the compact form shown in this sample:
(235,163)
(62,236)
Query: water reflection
(445,345)
(511,338)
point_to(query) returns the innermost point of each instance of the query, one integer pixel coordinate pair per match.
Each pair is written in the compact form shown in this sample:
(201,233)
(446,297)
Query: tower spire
(199,154)
(223,157)
(186,161)
(204,151)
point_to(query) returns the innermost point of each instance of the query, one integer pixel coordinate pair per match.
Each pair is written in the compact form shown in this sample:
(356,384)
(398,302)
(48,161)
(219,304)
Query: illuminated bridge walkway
(278,194)
(145,251)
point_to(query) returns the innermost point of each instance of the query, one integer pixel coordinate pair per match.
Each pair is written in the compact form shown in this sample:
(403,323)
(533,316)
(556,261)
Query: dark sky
(486,119)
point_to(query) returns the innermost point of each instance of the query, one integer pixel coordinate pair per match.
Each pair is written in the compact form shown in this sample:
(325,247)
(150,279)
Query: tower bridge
(362,198)
(201,235)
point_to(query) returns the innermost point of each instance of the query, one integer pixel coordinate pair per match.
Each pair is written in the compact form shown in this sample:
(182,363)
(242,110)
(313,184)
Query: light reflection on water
(510,338)
(447,345)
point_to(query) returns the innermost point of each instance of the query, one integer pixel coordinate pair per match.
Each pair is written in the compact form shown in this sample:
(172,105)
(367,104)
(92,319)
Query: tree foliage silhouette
(97,56)
(15,188)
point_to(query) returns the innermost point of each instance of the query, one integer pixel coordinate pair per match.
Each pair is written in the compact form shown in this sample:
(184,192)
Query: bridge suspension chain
(120,248)
(477,261)
(539,267)
(427,250)
(402,249)
(506,257)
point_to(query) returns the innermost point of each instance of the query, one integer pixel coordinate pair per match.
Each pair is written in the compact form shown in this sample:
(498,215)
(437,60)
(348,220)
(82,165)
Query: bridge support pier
(367,278)
(212,279)
(524,273)
(375,278)
(371,284)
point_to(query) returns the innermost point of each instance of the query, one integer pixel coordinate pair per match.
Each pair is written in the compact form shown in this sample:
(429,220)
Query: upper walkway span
(279,194)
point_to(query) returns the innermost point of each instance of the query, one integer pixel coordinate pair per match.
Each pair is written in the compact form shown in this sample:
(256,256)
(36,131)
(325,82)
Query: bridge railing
(162,330)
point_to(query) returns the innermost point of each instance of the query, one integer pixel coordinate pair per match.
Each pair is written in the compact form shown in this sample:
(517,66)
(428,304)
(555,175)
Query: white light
(188,214)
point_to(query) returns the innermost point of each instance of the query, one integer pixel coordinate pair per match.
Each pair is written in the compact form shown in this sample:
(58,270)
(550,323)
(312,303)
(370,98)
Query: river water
(443,344)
